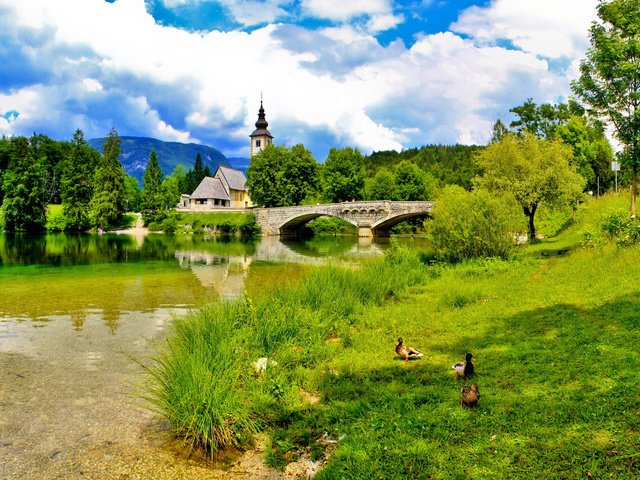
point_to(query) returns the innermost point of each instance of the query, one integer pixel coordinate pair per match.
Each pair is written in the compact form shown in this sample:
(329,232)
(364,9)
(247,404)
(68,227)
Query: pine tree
(108,202)
(25,195)
(153,197)
(77,182)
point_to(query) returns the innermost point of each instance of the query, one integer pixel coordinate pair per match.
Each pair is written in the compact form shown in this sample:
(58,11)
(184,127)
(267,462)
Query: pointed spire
(261,124)
(262,121)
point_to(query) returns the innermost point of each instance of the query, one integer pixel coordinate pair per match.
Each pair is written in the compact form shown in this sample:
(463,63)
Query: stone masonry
(373,218)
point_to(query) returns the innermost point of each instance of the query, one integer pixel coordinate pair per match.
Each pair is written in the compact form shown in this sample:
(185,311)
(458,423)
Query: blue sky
(371,74)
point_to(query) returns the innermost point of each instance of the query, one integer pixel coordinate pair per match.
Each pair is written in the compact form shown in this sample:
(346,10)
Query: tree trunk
(530,212)
(634,188)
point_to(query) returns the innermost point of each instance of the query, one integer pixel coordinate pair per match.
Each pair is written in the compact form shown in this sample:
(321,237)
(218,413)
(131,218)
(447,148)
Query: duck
(464,368)
(469,396)
(406,351)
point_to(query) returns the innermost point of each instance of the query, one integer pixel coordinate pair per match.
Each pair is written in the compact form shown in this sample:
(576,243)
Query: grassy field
(554,334)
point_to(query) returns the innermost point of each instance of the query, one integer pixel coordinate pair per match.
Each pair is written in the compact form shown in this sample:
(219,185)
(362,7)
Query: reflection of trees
(21,249)
(321,246)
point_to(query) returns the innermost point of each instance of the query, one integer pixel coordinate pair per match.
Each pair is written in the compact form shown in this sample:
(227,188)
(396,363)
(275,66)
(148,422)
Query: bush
(474,225)
(330,226)
(249,227)
(56,221)
(622,228)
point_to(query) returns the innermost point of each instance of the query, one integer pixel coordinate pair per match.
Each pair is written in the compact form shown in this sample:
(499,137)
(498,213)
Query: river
(81,314)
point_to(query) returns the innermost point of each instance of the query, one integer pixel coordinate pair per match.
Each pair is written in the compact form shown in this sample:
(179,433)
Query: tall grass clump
(198,378)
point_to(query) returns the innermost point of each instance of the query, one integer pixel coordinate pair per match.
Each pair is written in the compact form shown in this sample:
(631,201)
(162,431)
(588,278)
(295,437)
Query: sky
(369,74)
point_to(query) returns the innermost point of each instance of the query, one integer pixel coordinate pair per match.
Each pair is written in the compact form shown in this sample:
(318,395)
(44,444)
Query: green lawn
(554,334)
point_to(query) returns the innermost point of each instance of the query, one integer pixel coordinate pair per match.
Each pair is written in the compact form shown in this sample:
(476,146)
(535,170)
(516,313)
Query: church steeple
(261,137)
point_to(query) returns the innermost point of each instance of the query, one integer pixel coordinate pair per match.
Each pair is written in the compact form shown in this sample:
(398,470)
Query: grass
(554,340)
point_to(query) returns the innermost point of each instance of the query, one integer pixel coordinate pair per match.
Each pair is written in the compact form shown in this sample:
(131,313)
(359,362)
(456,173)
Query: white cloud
(548,28)
(109,64)
(379,12)
(342,10)
(380,23)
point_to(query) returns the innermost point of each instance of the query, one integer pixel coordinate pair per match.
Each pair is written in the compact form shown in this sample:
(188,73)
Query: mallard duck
(464,368)
(469,396)
(406,351)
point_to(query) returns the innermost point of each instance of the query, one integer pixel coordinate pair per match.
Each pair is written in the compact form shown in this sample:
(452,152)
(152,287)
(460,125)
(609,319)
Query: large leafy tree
(77,182)
(609,82)
(24,185)
(108,202)
(153,196)
(382,186)
(279,176)
(412,183)
(533,170)
(299,178)
(592,152)
(343,175)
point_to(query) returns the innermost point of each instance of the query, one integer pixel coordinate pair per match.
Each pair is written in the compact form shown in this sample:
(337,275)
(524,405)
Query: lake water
(80,314)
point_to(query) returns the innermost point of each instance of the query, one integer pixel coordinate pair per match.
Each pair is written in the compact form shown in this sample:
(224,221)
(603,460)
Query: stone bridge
(372,218)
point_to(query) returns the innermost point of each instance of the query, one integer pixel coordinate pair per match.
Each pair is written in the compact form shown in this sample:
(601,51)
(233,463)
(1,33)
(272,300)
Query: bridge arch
(293,225)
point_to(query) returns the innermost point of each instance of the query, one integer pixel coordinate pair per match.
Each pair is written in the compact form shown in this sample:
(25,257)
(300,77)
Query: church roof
(210,187)
(261,125)
(235,178)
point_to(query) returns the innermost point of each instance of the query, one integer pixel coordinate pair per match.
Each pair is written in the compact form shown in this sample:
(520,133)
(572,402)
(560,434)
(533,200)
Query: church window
(257,143)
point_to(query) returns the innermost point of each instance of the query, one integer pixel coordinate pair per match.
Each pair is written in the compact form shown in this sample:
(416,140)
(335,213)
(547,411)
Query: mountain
(239,163)
(136,151)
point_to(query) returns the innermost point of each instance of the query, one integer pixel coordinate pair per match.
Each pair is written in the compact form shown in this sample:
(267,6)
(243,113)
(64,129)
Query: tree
(153,196)
(609,82)
(499,131)
(412,184)
(299,179)
(108,202)
(76,184)
(533,170)
(382,186)
(569,121)
(343,175)
(279,176)
(24,185)
(196,174)
(132,194)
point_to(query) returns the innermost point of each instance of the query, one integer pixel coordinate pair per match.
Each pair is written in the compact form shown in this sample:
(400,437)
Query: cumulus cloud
(245,12)
(548,28)
(92,64)
(341,10)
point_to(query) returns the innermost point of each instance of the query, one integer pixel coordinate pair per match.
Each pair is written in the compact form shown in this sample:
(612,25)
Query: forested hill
(449,164)
(136,151)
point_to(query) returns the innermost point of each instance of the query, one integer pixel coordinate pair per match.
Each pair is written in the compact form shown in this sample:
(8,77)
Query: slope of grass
(554,339)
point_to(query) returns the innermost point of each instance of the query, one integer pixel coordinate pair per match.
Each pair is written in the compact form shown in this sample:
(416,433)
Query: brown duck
(469,396)
(406,351)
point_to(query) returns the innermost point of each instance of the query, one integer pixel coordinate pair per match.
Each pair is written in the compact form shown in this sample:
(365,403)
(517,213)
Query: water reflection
(77,276)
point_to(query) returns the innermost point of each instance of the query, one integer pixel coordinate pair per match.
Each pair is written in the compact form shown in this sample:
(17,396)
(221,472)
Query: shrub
(622,228)
(330,226)
(474,225)
(56,222)
(249,227)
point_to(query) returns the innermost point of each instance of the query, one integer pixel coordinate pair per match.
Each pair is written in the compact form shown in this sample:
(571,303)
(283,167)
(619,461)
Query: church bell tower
(261,137)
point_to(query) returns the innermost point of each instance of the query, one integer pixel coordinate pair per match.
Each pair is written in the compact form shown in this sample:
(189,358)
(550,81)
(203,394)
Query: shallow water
(79,315)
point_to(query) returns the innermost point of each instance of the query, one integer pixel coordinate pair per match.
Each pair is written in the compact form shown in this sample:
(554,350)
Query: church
(226,190)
